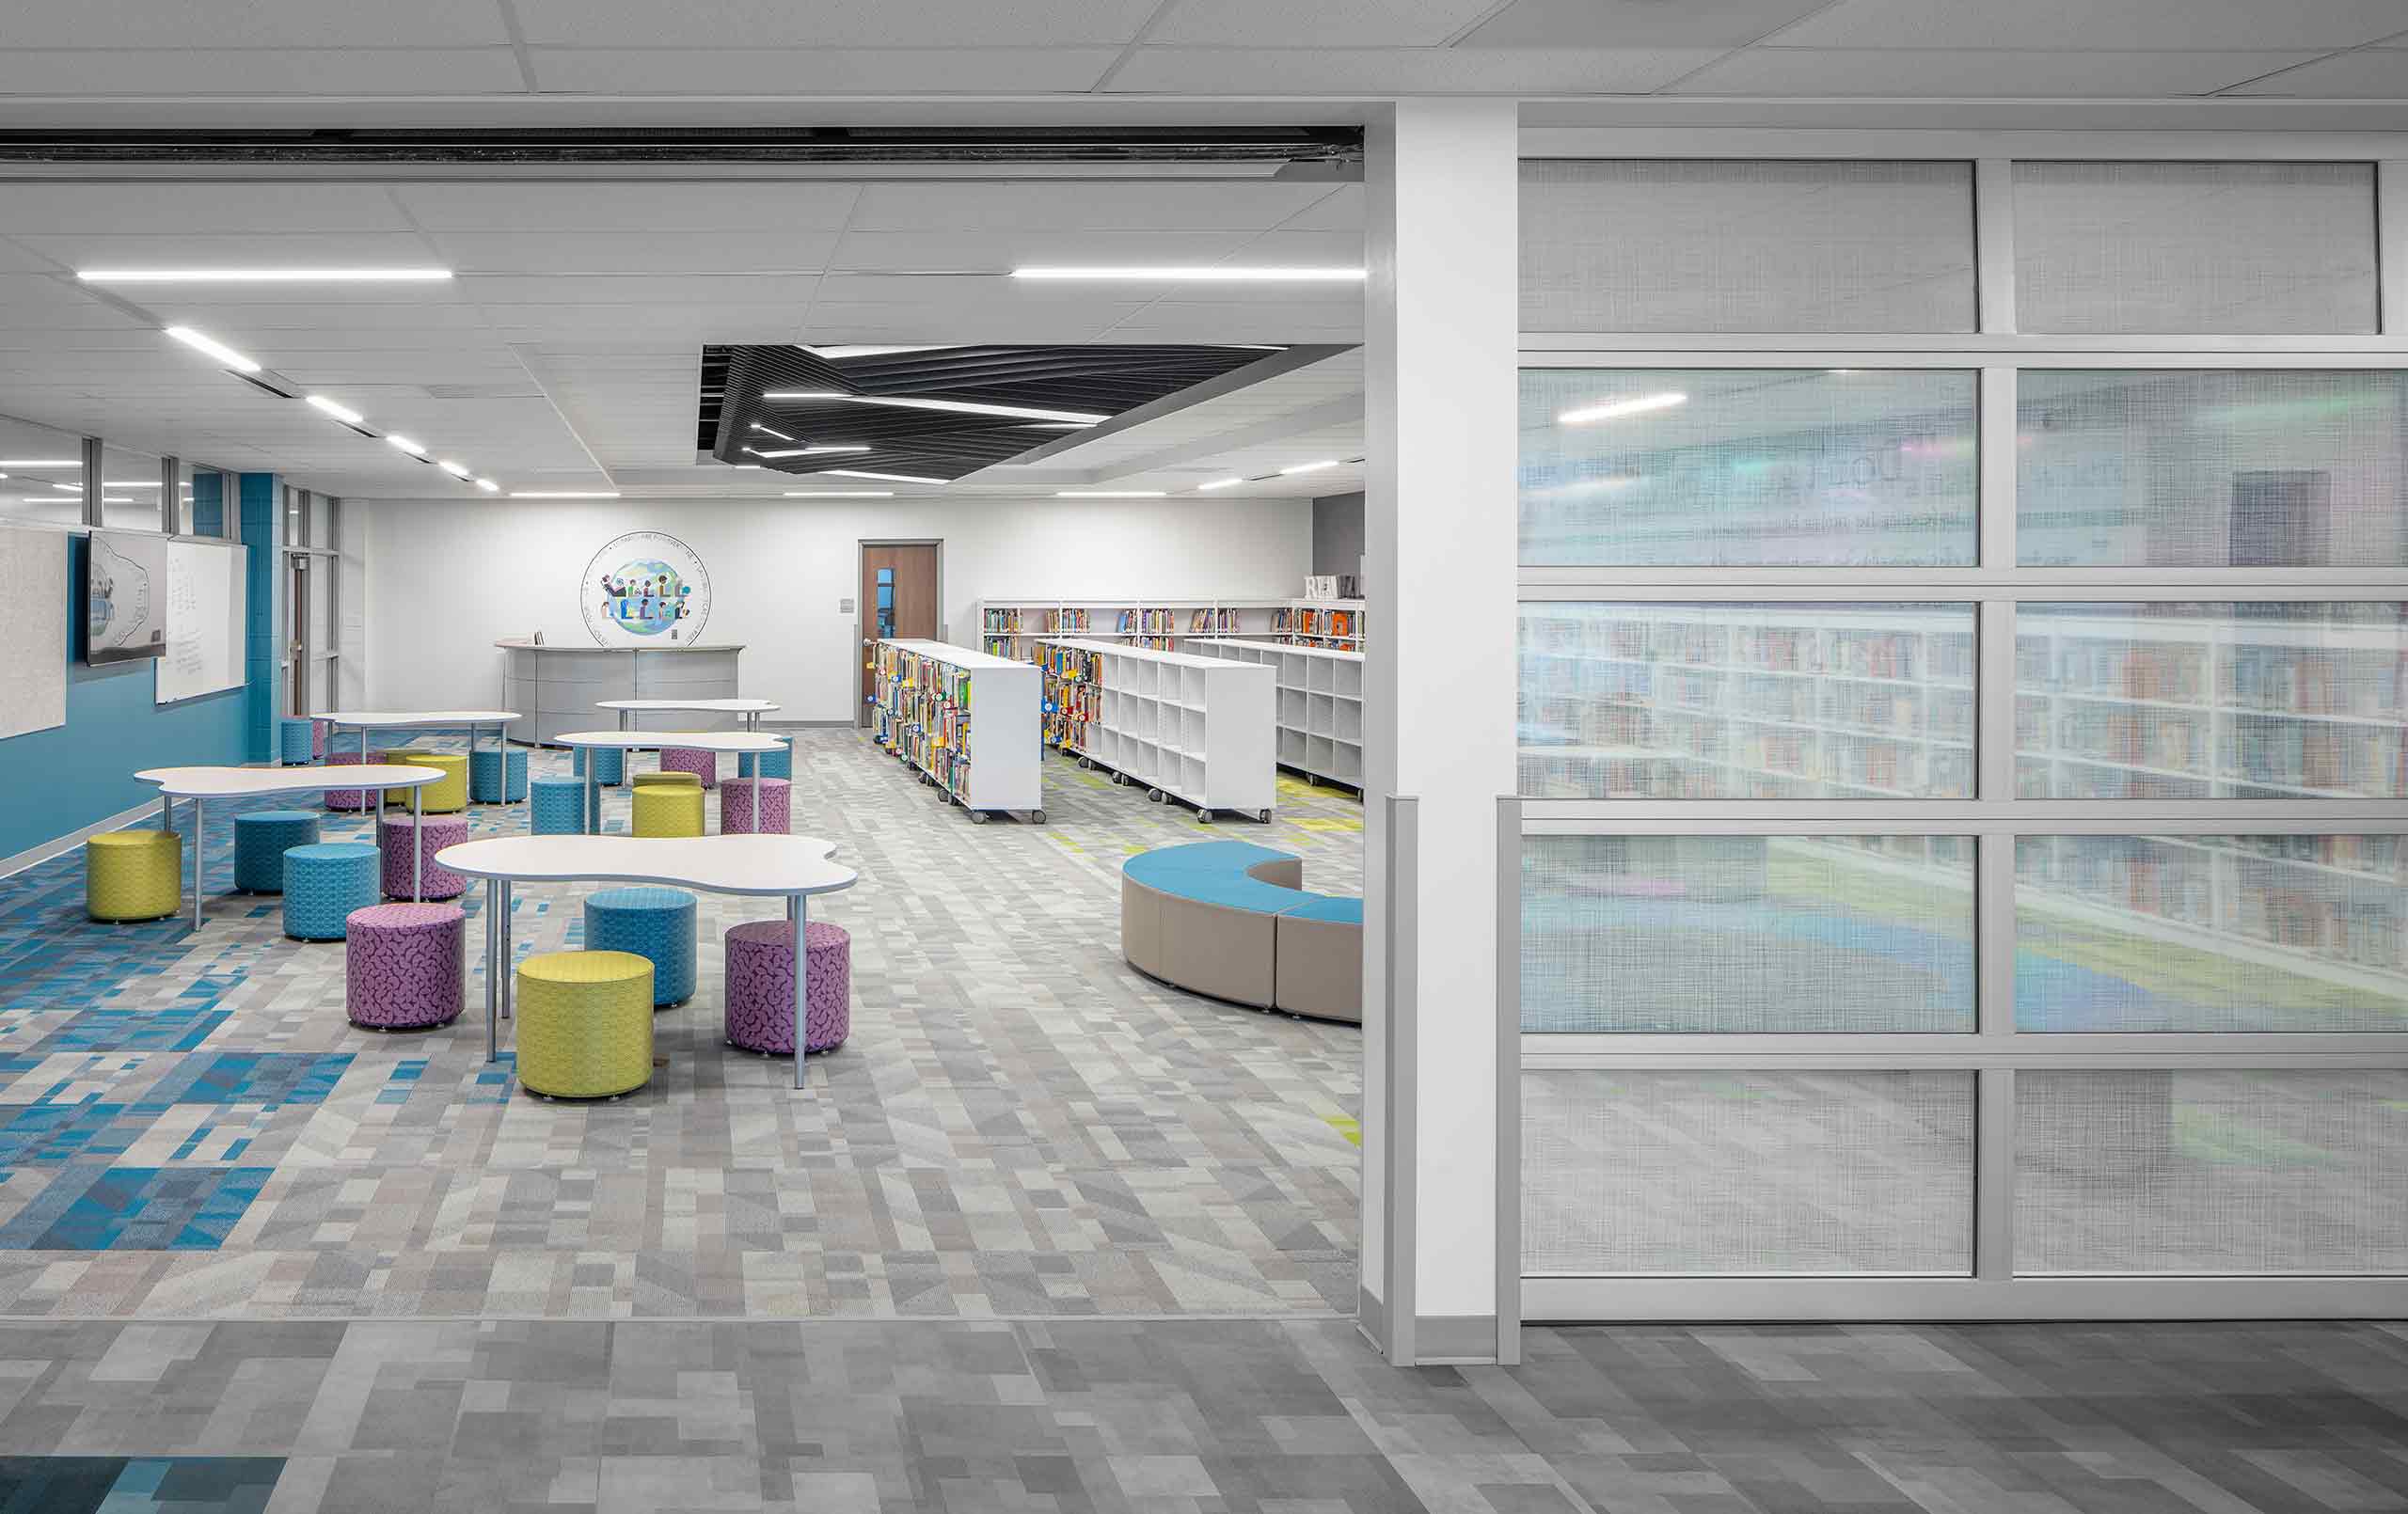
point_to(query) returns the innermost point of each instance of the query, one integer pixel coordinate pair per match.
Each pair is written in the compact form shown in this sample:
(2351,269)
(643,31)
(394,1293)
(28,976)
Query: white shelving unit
(966,720)
(1012,627)
(1321,704)
(1193,728)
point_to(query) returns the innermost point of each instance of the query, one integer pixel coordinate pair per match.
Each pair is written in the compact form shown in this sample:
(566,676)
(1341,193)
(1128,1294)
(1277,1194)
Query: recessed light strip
(822,450)
(1110,494)
(959,407)
(201,342)
(880,478)
(262,275)
(840,493)
(564,494)
(1199,274)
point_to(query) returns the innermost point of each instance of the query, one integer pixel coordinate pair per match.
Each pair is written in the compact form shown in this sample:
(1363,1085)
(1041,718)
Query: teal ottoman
(779,763)
(558,806)
(262,837)
(323,884)
(609,764)
(498,775)
(297,742)
(657,923)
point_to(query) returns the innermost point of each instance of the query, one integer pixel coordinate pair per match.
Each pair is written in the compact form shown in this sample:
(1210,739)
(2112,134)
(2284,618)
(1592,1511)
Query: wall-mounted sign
(645,589)
(126,597)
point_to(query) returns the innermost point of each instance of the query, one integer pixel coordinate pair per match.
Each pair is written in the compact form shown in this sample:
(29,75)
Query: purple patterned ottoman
(352,799)
(736,806)
(318,739)
(760,987)
(393,841)
(403,965)
(702,765)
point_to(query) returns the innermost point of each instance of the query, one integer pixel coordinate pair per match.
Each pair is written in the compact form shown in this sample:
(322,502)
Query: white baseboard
(68,843)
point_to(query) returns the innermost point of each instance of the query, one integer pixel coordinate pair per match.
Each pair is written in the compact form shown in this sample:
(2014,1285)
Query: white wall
(448,578)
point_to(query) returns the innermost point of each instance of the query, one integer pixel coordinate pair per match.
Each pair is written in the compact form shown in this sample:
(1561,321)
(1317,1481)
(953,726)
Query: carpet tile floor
(1021,1123)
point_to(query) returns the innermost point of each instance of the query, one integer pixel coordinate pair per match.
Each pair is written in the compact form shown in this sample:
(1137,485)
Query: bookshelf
(1012,627)
(923,713)
(1321,704)
(1192,728)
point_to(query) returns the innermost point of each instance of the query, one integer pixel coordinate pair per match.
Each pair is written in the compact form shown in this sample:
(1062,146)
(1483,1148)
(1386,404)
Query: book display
(968,722)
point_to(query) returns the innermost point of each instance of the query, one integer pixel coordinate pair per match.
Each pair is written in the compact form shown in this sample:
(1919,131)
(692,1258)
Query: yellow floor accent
(584,1023)
(1347,1125)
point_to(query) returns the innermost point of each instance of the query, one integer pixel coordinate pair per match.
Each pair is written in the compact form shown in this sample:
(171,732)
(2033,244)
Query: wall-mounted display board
(206,604)
(33,635)
(125,611)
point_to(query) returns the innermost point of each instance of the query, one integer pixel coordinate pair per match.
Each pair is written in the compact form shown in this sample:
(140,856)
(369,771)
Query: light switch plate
(844,607)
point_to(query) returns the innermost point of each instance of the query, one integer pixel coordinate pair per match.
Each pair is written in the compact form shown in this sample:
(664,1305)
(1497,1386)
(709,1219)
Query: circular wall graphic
(645,589)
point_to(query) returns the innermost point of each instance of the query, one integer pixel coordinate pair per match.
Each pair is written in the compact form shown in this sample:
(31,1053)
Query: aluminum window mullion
(1960,817)
(1956,349)
(1749,586)
(1566,1051)
(1994,245)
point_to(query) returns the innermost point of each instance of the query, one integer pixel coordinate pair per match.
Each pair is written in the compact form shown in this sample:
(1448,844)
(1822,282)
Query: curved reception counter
(558,684)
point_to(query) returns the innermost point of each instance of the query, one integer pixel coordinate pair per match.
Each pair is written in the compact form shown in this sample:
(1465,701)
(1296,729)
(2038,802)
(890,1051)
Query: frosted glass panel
(129,485)
(1745,702)
(2194,247)
(1675,934)
(2210,1172)
(2250,468)
(2210,933)
(1624,244)
(2211,700)
(45,470)
(1728,466)
(1747,1172)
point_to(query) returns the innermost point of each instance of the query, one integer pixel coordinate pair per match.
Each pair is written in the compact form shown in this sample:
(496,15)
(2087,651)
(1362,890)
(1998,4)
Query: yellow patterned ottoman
(137,875)
(668,810)
(584,1024)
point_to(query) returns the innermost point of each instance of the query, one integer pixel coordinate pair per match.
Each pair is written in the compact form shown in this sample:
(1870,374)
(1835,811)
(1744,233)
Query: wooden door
(898,598)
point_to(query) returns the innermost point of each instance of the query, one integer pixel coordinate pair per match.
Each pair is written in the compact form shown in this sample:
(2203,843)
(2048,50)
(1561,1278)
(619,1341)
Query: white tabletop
(230,782)
(705,706)
(756,865)
(418,719)
(692,740)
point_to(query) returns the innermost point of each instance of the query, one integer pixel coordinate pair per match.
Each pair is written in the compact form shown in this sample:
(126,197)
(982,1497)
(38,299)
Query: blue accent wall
(62,779)
(208,503)
(262,528)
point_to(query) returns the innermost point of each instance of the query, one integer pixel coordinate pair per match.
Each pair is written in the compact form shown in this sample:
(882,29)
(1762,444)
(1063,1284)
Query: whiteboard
(205,604)
(33,635)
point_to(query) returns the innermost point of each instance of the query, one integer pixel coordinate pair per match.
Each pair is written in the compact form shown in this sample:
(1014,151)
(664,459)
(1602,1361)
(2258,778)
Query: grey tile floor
(1264,1416)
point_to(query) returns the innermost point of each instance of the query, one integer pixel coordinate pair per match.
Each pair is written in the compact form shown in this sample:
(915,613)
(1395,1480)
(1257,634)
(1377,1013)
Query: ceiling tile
(2308,25)
(1636,22)
(735,25)
(1316,22)
(1179,70)
(262,71)
(1955,74)
(27,209)
(636,251)
(821,70)
(256,24)
(979,209)
(559,210)
(2370,74)
(1009,247)
(223,249)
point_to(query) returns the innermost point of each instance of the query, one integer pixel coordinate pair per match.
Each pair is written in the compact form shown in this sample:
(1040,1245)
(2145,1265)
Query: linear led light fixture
(41,462)
(877,350)
(456,470)
(262,275)
(840,493)
(564,494)
(341,411)
(959,407)
(408,446)
(771,431)
(1218,484)
(1110,494)
(816,450)
(1055,425)
(1310,467)
(880,478)
(70,488)
(487,485)
(214,348)
(1200,274)
(1616,409)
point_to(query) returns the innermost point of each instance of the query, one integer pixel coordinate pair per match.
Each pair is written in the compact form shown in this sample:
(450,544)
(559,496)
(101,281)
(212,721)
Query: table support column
(594,790)
(492,968)
(167,812)
(418,847)
(798,911)
(509,970)
(197,818)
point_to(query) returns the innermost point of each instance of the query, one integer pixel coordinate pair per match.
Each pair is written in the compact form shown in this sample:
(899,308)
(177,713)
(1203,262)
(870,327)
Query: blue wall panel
(263,529)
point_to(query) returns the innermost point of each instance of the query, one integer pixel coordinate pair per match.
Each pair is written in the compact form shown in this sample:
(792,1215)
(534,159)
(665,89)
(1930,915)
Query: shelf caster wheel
(1036,817)
(977,818)
(1156,794)
(1203,817)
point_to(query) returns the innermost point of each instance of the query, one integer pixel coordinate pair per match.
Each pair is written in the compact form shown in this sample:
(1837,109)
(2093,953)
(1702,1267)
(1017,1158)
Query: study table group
(792,868)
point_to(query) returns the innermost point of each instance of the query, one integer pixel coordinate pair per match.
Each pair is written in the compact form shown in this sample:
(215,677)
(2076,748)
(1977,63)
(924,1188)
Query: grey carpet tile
(1260,1416)
(1020,1124)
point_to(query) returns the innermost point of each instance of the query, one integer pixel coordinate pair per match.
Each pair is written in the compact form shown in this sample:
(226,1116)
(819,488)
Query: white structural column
(1440,332)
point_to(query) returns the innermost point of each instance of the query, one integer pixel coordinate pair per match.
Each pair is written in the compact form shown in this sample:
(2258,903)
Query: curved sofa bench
(1232,919)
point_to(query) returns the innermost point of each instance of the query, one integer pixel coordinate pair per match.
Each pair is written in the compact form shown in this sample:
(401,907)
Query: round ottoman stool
(262,838)
(323,884)
(318,739)
(295,741)
(447,794)
(353,799)
(498,775)
(435,832)
(654,923)
(702,765)
(779,763)
(760,987)
(736,806)
(609,764)
(403,965)
(668,810)
(584,1024)
(558,806)
(667,779)
(133,875)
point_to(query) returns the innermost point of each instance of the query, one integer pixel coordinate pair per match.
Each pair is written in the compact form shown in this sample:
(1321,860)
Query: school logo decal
(646,588)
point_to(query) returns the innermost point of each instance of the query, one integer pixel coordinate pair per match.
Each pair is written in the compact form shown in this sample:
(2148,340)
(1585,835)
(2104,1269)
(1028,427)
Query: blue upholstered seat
(1215,873)
(657,923)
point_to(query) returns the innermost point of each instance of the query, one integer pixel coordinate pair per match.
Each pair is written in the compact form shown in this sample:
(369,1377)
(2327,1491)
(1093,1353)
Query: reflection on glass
(2255,469)
(2210,933)
(2211,700)
(1638,1174)
(1747,934)
(1745,702)
(2210,1172)
(1705,467)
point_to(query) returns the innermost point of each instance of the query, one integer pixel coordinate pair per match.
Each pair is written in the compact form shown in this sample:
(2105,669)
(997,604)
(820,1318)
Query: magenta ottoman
(702,765)
(760,987)
(352,799)
(318,739)
(736,806)
(403,965)
(393,841)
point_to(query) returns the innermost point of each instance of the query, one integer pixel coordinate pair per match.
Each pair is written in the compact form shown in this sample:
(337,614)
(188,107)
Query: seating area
(1233,919)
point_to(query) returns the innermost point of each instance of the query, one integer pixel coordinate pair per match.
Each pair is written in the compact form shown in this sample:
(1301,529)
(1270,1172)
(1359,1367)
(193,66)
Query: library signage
(645,589)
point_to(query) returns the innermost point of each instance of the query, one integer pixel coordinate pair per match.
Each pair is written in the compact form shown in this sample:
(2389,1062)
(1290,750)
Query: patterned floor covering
(1021,1123)
(1296,1416)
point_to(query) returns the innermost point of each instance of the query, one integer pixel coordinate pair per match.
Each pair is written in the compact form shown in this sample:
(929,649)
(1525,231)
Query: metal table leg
(196,821)
(167,812)
(798,911)
(593,791)
(509,971)
(623,718)
(760,782)
(492,968)
(418,846)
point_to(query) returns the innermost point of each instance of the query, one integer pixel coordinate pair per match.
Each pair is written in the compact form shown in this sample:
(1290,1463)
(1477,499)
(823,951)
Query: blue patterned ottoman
(609,764)
(487,764)
(323,884)
(657,923)
(295,741)
(560,806)
(779,763)
(262,837)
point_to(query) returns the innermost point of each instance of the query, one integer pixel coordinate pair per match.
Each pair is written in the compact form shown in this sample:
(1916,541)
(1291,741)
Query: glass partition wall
(1964,758)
